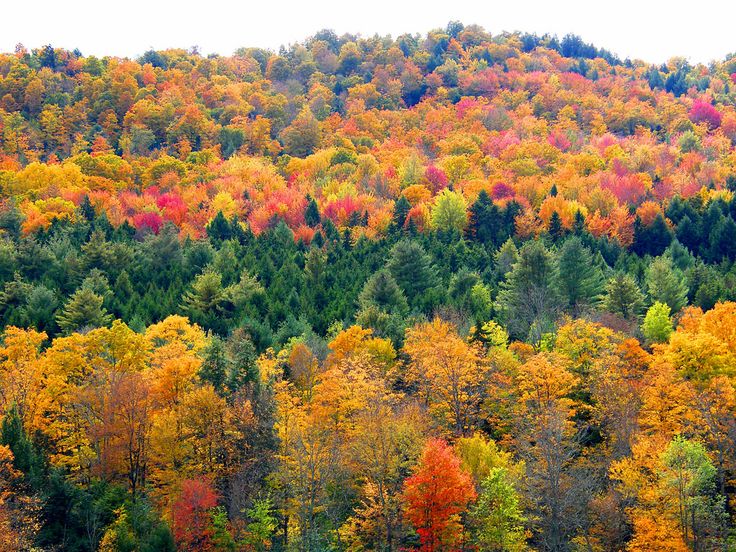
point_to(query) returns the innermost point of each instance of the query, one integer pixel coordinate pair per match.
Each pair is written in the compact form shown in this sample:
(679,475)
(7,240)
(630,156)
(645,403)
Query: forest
(446,293)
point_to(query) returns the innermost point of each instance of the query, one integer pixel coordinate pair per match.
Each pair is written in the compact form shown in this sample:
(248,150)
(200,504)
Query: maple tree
(436,494)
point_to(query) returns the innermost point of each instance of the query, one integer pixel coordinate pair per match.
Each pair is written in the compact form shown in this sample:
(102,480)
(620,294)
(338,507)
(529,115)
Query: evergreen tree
(414,272)
(83,310)
(86,209)
(401,210)
(218,230)
(529,299)
(311,213)
(382,291)
(580,280)
(623,296)
(666,284)
(214,366)
(484,224)
(26,458)
(556,230)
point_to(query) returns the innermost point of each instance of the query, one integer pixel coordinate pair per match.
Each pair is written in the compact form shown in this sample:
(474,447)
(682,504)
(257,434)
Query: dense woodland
(453,292)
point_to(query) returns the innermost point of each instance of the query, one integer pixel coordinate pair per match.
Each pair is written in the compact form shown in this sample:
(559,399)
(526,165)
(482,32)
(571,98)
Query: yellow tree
(23,377)
(448,372)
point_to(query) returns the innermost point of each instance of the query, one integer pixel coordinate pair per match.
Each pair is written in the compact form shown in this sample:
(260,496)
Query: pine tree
(414,272)
(484,222)
(623,296)
(401,210)
(580,280)
(666,284)
(556,229)
(311,213)
(529,298)
(83,310)
(218,230)
(382,291)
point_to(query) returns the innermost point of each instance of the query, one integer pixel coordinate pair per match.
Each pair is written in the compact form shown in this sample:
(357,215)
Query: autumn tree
(448,373)
(436,494)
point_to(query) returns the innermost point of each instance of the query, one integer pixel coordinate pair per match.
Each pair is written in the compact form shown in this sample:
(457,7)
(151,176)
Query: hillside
(459,291)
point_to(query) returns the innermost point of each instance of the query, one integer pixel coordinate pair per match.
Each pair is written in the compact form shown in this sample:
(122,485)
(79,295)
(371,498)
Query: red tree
(192,516)
(703,111)
(436,495)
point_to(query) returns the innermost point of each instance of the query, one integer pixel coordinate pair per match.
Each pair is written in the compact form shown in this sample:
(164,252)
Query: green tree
(580,279)
(311,213)
(205,300)
(401,210)
(657,325)
(689,477)
(261,525)
(529,299)
(497,514)
(666,284)
(382,291)
(449,212)
(414,272)
(623,296)
(83,310)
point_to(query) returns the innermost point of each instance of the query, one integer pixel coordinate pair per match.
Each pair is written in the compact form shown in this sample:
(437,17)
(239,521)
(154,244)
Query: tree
(449,211)
(485,222)
(500,520)
(205,301)
(414,272)
(261,525)
(436,494)
(689,479)
(448,372)
(529,298)
(311,213)
(83,310)
(382,292)
(657,325)
(580,280)
(401,210)
(666,284)
(623,296)
(303,135)
(192,516)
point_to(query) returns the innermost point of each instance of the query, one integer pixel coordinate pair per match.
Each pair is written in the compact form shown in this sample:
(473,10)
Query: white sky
(652,30)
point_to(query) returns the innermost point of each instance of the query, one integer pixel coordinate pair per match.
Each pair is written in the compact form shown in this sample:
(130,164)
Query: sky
(651,30)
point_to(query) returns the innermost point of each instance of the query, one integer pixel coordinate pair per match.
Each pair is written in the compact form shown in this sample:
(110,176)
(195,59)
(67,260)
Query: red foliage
(436,177)
(559,140)
(628,188)
(703,112)
(152,221)
(502,190)
(437,493)
(191,516)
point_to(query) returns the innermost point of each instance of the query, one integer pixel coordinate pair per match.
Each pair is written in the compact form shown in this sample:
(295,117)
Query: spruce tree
(623,296)
(580,280)
(414,272)
(83,310)
(666,284)
(311,213)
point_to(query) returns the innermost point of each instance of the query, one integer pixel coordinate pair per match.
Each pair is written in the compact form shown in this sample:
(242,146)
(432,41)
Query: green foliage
(657,325)
(689,478)
(529,298)
(623,296)
(449,212)
(83,310)
(498,516)
(666,284)
(580,279)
